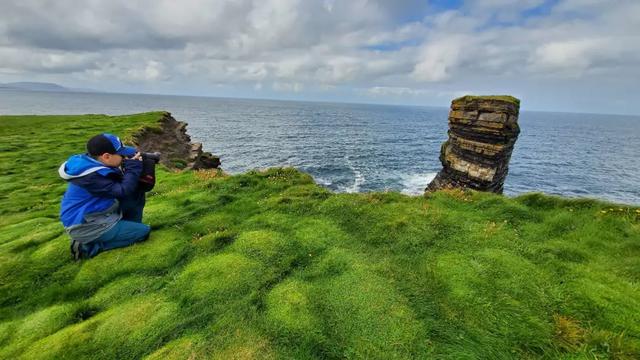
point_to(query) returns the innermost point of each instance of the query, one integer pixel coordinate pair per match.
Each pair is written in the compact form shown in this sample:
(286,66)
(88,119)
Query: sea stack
(482,132)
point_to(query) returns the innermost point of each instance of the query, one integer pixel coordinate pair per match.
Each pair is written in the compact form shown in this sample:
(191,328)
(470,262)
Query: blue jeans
(127,231)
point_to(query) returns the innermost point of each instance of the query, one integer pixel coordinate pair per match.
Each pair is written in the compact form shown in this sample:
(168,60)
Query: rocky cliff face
(175,146)
(482,132)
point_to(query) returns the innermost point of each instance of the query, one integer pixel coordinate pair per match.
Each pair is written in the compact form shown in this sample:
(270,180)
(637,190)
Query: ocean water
(360,148)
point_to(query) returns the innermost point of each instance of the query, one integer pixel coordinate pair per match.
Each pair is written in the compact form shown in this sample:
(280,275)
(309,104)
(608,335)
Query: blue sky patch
(393,46)
(541,10)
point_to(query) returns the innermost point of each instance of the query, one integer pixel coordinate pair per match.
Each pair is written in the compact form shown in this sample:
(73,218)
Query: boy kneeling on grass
(102,207)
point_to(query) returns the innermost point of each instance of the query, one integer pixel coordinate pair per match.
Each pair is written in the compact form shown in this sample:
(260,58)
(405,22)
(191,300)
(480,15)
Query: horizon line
(94,91)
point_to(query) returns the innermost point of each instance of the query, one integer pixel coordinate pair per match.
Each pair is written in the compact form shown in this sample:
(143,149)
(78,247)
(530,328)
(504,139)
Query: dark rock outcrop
(482,132)
(175,146)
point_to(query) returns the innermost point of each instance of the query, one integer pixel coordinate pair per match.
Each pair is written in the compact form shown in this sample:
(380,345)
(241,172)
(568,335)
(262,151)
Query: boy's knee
(144,232)
(135,231)
(147,232)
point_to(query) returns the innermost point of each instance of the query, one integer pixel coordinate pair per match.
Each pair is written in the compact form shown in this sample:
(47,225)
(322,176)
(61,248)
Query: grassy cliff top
(268,264)
(507,98)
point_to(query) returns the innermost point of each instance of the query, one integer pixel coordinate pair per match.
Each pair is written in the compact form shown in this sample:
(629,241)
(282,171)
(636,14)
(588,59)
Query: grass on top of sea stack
(507,98)
(268,264)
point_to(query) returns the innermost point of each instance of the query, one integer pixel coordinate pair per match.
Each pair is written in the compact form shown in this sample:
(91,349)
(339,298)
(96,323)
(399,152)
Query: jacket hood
(81,165)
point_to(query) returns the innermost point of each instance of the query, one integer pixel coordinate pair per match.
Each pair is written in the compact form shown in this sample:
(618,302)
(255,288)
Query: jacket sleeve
(110,187)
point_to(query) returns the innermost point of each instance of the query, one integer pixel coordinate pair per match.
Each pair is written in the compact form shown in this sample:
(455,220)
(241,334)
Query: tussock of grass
(267,264)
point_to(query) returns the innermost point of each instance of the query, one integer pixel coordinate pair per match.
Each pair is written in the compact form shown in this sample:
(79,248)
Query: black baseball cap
(108,143)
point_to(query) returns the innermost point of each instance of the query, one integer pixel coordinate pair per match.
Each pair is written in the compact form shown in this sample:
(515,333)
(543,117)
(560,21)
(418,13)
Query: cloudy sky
(564,55)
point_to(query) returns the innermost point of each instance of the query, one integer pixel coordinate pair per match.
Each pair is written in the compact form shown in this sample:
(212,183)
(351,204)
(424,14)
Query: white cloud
(129,71)
(153,71)
(309,45)
(395,91)
(24,60)
(439,59)
(572,55)
(287,87)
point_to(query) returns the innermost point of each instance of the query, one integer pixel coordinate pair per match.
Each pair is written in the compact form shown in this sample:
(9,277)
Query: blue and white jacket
(90,205)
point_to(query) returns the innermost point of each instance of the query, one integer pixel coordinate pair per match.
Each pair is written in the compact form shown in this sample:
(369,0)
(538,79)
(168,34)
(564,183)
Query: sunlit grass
(268,264)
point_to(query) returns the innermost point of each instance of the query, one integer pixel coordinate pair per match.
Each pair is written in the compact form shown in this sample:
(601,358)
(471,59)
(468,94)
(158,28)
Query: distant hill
(40,86)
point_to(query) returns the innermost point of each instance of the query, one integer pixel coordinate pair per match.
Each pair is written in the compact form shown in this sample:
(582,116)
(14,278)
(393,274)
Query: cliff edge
(174,144)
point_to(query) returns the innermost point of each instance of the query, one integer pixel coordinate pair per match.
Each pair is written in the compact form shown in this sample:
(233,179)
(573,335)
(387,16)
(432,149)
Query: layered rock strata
(174,145)
(482,133)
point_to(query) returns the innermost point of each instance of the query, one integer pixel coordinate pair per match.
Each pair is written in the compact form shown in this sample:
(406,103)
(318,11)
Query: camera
(155,156)
(148,175)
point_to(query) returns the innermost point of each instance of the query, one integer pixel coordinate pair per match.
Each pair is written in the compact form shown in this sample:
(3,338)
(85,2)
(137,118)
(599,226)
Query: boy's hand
(137,156)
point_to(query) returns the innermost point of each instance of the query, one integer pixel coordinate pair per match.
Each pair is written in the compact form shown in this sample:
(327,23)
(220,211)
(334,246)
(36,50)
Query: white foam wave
(414,184)
(358,180)
(322,181)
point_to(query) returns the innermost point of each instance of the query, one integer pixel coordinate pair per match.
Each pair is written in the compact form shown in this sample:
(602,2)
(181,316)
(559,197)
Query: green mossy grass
(268,264)
(507,98)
